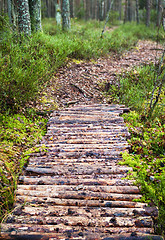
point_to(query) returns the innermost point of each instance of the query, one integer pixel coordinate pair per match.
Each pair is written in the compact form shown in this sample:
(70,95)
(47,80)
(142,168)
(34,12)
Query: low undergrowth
(18,136)
(26,64)
(147,157)
(147,154)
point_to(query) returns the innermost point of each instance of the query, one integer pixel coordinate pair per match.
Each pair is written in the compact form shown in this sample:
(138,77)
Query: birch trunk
(9,6)
(24,24)
(65,15)
(35,15)
(58,13)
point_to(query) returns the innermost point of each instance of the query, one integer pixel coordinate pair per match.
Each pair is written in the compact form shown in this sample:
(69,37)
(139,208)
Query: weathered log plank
(54,180)
(45,201)
(61,170)
(76,189)
(102,189)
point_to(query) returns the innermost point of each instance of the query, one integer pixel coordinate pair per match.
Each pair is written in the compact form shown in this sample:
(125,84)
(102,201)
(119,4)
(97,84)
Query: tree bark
(9,6)
(120,10)
(126,11)
(35,15)
(58,13)
(148,12)
(71,8)
(87,10)
(65,15)
(24,23)
(137,11)
(159,12)
(129,11)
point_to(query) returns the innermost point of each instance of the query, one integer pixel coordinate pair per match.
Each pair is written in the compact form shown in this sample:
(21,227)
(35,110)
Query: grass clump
(147,154)
(18,136)
(25,64)
(147,157)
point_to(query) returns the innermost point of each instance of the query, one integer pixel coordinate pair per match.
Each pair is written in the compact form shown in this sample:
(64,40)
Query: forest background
(38,38)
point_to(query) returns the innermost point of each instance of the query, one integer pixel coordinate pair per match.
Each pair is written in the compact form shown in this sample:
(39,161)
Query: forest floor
(85,81)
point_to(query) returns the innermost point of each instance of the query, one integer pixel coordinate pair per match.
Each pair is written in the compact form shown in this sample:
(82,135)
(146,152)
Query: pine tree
(35,15)
(24,24)
(65,15)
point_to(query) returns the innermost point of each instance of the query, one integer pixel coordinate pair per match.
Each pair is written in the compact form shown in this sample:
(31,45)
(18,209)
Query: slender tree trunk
(71,8)
(159,12)
(98,10)
(120,9)
(163,21)
(9,6)
(137,11)
(101,10)
(65,15)
(129,11)
(24,23)
(126,11)
(35,15)
(11,13)
(58,13)
(148,12)
(87,9)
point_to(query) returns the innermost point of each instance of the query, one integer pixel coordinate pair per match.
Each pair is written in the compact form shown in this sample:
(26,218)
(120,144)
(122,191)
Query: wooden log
(45,201)
(54,180)
(95,212)
(80,194)
(65,146)
(63,229)
(79,235)
(73,169)
(101,189)
(84,221)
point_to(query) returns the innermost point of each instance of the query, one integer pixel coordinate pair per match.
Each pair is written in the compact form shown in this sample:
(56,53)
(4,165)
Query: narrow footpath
(76,189)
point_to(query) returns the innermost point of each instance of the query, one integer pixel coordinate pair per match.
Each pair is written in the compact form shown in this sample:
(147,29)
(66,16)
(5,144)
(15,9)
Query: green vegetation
(18,135)
(26,64)
(147,155)
(147,158)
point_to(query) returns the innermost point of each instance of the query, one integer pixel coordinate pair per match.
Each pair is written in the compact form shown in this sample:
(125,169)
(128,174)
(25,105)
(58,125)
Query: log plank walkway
(76,189)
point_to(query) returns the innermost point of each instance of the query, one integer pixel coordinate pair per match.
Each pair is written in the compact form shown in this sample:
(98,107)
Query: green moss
(18,137)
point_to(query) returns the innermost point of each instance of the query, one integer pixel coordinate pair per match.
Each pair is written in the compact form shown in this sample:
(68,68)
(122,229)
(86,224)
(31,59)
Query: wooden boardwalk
(77,190)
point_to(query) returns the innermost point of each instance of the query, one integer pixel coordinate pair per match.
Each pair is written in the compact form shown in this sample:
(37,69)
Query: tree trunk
(137,11)
(87,10)
(163,21)
(126,11)
(24,23)
(120,10)
(129,11)
(9,6)
(35,15)
(159,12)
(65,15)
(58,13)
(71,8)
(148,12)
